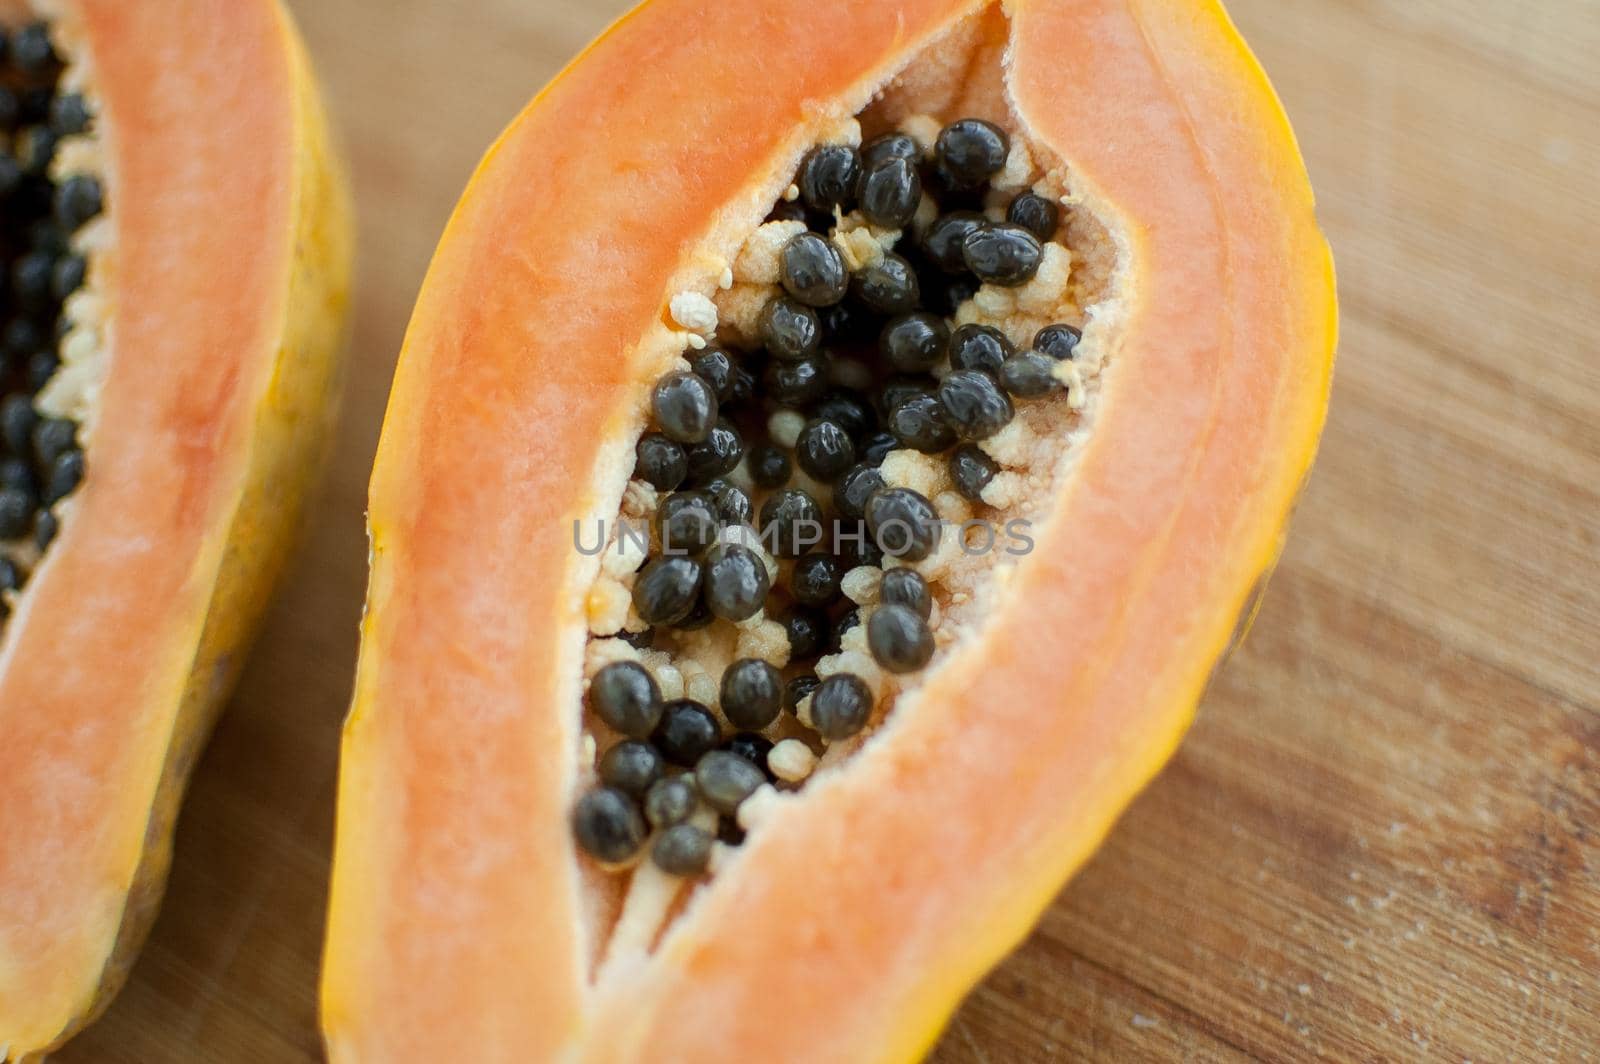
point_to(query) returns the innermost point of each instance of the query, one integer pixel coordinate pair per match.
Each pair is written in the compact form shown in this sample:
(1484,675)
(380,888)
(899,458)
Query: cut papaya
(830,451)
(177,249)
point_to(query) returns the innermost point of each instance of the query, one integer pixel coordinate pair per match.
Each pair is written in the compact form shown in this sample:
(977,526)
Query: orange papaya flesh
(465,920)
(181,199)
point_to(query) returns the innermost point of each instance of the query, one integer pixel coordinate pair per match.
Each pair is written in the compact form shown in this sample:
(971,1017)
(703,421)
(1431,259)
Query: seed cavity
(53,199)
(899,357)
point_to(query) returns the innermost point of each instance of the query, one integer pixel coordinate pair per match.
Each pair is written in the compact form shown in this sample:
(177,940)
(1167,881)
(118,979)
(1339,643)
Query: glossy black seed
(814,580)
(667,590)
(632,767)
(608,825)
(886,146)
(682,850)
(736,582)
(812,270)
(979,347)
(876,447)
(973,404)
(841,706)
(906,587)
(16,512)
(69,114)
(1059,341)
(899,388)
(828,177)
(842,624)
(972,470)
(1028,375)
(52,437)
(698,617)
(670,801)
(798,383)
(716,455)
(1034,213)
(889,287)
(714,366)
(791,523)
(807,631)
(850,410)
(78,199)
(753,747)
(1003,254)
(919,423)
(11,579)
(687,730)
(67,276)
(854,488)
(66,473)
(899,639)
(769,466)
(890,192)
(903,523)
(914,342)
(824,449)
(751,694)
(733,505)
(17,419)
(659,461)
(797,689)
(624,695)
(42,365)
(789,328)
(644,640)
(970,151)
(684,406)
(725,779)
(943,242)
(31,50)
(36,147)
(44,529)
(10,108)
(687,522)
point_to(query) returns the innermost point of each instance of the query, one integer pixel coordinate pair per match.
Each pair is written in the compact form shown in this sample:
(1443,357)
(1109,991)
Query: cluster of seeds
(41,459)
(767,464)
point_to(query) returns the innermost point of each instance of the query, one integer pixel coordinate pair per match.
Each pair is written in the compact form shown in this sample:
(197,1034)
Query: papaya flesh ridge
(461,923)
(226,281)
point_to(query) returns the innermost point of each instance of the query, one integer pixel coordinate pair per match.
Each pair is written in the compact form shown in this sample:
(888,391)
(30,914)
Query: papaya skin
(71,925)
(456,918)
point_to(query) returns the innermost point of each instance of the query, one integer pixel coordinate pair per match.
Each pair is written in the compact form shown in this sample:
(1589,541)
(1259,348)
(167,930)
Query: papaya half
(832,447)
(177,249)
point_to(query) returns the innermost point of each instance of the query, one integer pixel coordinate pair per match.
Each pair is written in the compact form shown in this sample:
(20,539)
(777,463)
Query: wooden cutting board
(1382,838)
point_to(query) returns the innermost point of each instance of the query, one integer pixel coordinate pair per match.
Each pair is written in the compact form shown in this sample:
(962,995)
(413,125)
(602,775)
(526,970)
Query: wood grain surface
(1379,841)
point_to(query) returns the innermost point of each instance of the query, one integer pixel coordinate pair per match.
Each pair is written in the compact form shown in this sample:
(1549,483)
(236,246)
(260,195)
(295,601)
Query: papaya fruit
(177,248)
(830,450)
